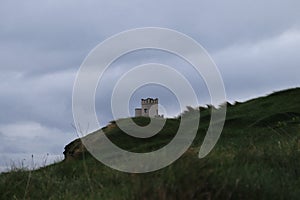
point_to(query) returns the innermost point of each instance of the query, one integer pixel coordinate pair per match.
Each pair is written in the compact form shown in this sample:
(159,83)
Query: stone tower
(149,108)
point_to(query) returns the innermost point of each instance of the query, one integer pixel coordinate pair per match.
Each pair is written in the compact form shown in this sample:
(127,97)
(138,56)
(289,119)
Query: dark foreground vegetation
(256,157)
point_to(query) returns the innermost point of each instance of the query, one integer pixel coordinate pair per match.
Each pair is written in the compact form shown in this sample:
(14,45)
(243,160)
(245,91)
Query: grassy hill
(256,157)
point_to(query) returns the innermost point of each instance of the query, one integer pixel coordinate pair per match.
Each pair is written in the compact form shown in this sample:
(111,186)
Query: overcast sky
(255,45)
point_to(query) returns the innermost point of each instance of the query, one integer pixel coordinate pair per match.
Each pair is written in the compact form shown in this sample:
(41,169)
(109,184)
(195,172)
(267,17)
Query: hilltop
(256,157)
(268,111)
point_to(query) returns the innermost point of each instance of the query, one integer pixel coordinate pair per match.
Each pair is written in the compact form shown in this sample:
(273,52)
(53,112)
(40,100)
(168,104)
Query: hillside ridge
(269,110)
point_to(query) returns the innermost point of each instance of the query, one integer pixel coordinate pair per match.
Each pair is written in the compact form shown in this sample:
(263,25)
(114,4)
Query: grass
(256,157)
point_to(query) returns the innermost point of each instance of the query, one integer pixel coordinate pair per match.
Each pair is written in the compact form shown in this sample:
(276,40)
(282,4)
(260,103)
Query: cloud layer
(255,44)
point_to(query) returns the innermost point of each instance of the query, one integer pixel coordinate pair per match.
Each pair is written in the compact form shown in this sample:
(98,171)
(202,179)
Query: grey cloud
(44,99)
(32,137)
(261,67)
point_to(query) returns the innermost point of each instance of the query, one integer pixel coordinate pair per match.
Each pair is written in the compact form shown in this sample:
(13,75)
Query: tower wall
(149,107)
(138,112)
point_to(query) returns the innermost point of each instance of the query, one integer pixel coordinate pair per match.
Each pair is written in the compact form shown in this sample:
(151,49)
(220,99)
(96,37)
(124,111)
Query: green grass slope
(256,157)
